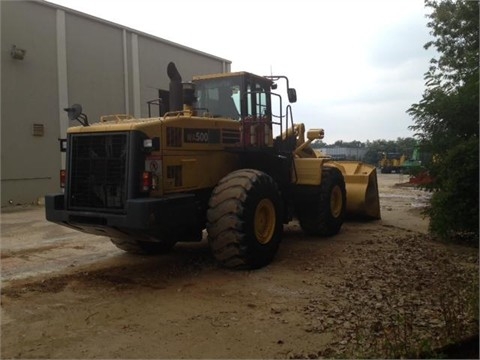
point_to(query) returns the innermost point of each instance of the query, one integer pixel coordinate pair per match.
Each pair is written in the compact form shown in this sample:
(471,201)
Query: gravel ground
(378,289)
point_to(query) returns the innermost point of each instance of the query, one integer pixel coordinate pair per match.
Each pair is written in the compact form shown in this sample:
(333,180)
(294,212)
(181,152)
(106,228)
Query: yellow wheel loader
(226,156)
(391,162)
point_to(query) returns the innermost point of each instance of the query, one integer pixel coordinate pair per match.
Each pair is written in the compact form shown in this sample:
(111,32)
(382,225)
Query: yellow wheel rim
(336,201)
(264,221)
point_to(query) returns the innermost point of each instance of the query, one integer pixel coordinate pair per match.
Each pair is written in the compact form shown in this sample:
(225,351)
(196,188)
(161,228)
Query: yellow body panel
(200,170)
(186,166)
(123,125)
(307,171)
(200,165)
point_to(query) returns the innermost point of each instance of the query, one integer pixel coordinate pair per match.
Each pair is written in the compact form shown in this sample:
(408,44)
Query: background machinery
(413,165)
(222,158)
(391,162)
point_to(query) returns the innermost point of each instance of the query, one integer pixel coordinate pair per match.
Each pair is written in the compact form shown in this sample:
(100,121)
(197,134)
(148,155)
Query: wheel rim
(336,201)
(264,221)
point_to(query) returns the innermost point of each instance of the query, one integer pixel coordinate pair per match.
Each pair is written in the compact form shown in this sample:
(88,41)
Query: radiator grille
(230,136)
(97,174)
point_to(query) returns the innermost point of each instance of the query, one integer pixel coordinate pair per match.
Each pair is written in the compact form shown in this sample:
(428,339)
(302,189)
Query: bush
(454,212)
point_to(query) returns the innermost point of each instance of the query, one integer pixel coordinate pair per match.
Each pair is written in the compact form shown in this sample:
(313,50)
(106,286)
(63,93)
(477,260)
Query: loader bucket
(362,189)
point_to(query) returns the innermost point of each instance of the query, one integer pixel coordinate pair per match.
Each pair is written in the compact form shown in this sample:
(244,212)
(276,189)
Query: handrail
(116,117)
(178,113)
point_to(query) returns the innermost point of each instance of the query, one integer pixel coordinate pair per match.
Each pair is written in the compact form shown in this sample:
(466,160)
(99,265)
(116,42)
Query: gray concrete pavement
(32,246)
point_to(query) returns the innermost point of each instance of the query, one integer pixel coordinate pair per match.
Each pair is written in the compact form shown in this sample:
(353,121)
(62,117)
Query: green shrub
(454,207)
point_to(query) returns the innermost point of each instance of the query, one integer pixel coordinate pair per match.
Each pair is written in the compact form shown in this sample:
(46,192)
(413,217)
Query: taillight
(63,176)
(146,181)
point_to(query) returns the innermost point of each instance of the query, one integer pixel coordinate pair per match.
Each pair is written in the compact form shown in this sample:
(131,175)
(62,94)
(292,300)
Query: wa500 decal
(201,136)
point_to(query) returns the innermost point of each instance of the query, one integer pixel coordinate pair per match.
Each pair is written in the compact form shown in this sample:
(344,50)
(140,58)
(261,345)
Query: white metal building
(52,57)
(345,153)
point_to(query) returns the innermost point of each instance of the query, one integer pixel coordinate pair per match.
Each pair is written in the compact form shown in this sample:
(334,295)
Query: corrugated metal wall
(72,58)
(345,153)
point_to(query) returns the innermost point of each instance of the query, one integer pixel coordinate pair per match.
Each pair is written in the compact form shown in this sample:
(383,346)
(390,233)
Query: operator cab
(236,96)
(249,99)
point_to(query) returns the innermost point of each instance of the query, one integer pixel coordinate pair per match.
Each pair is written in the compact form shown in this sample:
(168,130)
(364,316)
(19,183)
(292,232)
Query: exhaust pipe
(175,88)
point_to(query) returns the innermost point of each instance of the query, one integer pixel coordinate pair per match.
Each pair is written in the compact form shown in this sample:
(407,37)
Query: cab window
(220,98)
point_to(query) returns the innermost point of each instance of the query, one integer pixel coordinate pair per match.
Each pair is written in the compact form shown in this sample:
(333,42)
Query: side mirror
(292,95)
(75,113)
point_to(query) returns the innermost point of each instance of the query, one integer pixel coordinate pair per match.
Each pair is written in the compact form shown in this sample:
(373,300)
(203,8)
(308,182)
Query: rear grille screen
(97,174)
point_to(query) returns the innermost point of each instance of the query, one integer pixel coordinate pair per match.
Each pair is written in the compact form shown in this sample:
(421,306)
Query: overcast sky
(357,66)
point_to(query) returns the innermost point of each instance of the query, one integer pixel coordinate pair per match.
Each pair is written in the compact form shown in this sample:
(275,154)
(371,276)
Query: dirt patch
(375,290)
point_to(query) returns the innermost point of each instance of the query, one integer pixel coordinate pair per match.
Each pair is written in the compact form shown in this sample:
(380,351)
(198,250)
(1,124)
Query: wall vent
(38,130)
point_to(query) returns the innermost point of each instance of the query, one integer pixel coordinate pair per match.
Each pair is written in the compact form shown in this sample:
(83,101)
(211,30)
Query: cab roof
(230,75)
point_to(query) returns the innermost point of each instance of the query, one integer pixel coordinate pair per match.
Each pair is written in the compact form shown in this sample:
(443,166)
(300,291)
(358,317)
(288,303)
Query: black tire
(325,217)
(245,220)
(140,247)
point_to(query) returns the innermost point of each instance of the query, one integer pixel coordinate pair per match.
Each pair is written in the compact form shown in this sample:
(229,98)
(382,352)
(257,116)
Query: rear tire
(325,217)
(140,247)
(245,220)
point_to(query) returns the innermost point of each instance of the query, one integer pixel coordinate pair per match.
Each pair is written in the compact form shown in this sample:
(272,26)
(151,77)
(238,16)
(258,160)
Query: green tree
(317,144)
(446,119)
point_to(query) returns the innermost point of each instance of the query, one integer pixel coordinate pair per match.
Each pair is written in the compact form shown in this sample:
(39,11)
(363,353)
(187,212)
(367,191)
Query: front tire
(325,216)
(244,220)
